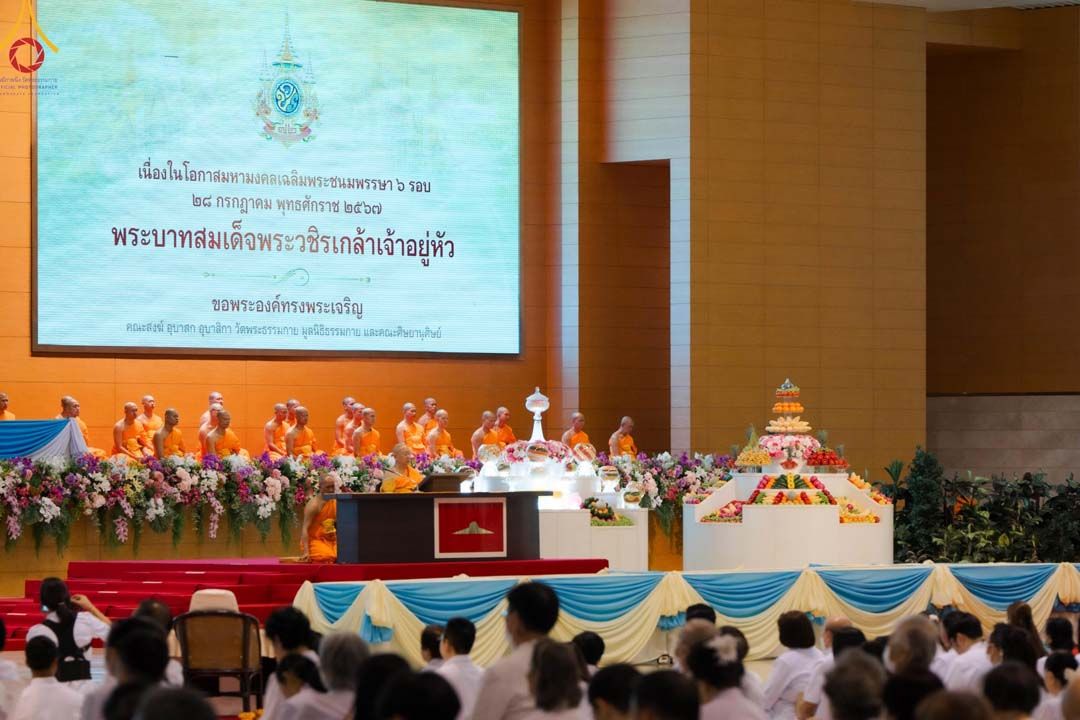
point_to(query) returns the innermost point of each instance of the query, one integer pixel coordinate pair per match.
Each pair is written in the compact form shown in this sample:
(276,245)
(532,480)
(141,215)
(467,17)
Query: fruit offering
(851,514)
(880,499)
(858,482)
(788,408)
(787,390)
(826,458)
(752,457)
(791,497)
(730,513)
(788,425)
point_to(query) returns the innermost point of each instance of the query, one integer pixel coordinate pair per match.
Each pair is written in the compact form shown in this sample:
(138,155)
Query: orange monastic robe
(444,444)
(7,415)
(150,427)
(369,443)
(414,438)
(627,446)
(130,436)
(491,437)
(579,438)
(505,435)
(395,483)
(230,445)
(430,425)
(304,444)
(339,447)
(173,444)
(322,534)
(279,440)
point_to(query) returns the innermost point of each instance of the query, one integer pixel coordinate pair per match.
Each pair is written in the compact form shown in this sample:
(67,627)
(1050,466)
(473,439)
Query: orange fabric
(279,440)
(151,426)
(627,446)
(229,445)
(491,437)
(394,483)
(505,435)
(7,415)
(173,444)
(304,444)
(322,534)
(414,437)
(369,443)
(130,436)
(430,425)
(444,444)
(346,428)
(578,438)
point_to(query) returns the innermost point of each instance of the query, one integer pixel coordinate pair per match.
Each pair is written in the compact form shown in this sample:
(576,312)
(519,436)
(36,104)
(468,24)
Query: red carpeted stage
(260,584)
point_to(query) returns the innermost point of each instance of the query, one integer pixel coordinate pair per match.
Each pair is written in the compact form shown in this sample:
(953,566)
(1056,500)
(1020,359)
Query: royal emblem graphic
(286,104)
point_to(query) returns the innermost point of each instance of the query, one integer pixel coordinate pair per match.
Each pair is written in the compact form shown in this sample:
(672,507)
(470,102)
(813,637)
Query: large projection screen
(263,176)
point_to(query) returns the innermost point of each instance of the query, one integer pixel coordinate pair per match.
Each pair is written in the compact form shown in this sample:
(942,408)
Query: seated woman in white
(718,672)
(792,670)
(72,623)
(555,683)
(326,691)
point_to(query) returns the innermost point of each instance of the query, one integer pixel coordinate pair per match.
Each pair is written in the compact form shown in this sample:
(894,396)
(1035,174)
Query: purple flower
(211,462)
(88,463)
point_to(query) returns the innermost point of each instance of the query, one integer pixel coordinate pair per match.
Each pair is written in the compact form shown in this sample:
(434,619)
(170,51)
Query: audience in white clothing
(592,649)
(45,698)
(289,633)
(611,692)
(718,671)
(971,662)
(791,671)
(430,638)
(458,668)
(814,703)
(751,684)
(72,622)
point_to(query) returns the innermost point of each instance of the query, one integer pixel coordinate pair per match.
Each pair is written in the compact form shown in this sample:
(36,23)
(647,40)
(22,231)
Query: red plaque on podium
(467,528)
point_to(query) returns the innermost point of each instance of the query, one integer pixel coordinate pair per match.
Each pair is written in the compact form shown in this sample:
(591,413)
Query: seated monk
(215,398)
(622,442)
(222,441)
(486,434)
(70,409)
(427,420)
(365,440)
(208,427)
(290,406)
(151,423)
(502,427)
(352,426)
(402,477)
(274,433)
(129,438)
(300,440)
(439,442)
(409,431)
(318,541)
(168,440)
(576,435)
(5,414)
(341,441)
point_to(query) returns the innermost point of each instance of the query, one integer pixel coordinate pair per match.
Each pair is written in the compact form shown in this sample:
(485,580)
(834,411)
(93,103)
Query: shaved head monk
(300,440)
(486,434)
(357,409)
(151,423)
(274,433)
(346,416)
(576,435)
(215,398)
(318,541)
(5,414)
(70,408)
(129,438)
(290,406)
(502,427)
(168,440)
(409,431)
(622,442)
(427,420)
(439,442)
(401,477)
(365,439)
(222,441)
(208,427)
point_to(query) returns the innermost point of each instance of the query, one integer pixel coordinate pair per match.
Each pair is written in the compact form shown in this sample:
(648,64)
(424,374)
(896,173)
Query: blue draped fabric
(999,585)
(742,595)
(602,598)
(438,601)
(878,590)
(22,438)
(335,599)
(374,634)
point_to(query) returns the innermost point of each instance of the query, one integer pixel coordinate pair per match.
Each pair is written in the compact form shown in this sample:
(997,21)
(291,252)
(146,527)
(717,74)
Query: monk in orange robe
(621,441)
(71,409)
(439,442)
(129,437)
(223,441)
(409,431)
(365,440)
(274,432)
(576,435)
(208,427)
(215,398)
(290,412)
(318,541)
(502,427)
(151,423)
(341,440)
(5,414)
(486,434)
(427,420)
(169,440)
(300,440)
(351,427)
(402,477)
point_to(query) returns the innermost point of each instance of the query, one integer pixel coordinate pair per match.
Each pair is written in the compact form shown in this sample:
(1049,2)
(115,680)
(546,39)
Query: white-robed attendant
(339,656)
(791,671)
(556,684)
(718,671)
(289,633)
(458,668)
(46,698)
(966,671)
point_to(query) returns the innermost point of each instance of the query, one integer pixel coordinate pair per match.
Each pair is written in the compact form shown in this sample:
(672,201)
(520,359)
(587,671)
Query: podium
(437,526)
